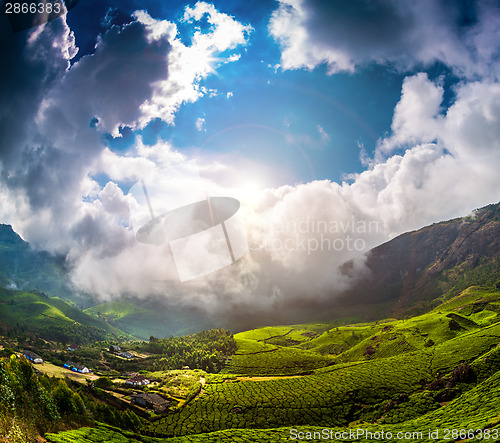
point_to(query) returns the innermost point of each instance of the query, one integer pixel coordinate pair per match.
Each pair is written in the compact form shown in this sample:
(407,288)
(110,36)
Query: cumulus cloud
(46,163)
(52,134)
(345,35)
(300,236)
(468,129)
(226,33)
(188,65)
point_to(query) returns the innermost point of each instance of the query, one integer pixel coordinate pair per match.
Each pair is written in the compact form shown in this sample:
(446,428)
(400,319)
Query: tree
(103,382)
(63,397)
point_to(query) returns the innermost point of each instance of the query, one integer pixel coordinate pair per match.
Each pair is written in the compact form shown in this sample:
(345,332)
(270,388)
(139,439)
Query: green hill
(23,268)
(144,319)
(438,371)
(51,318)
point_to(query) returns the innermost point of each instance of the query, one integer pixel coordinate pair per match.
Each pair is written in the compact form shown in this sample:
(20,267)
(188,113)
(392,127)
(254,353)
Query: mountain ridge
(407,275)
(415,268)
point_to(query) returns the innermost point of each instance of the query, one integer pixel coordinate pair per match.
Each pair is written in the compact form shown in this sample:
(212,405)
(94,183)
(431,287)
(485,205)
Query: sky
(335,125)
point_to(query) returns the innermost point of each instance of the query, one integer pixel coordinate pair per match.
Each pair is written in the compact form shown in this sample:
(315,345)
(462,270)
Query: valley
(250,221)
(433,369)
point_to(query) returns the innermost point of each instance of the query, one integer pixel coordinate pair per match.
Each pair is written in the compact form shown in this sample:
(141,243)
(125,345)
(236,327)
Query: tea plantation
(475,413)
(436,371)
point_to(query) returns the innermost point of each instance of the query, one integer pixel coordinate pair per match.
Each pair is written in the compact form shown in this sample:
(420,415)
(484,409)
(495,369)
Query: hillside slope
(436,371)
(51,318)
(143,319)
(23,268)
(409,272)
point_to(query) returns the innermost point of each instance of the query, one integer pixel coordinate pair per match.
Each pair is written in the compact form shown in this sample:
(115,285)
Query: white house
(138,380)
(76,367)
(32,357)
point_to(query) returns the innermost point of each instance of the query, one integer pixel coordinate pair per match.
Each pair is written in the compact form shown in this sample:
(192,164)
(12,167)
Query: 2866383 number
(486,434)
(33,8)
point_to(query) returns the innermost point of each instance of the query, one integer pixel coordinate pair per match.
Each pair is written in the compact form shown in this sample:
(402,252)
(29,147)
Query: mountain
(143,319)
(23,268)
(412,271)
(51,318)
(407,275)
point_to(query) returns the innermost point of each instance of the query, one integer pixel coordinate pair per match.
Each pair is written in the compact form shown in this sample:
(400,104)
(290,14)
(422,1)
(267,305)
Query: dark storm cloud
(117,79)
(359,26)
(47,140)
(344,35)
(28,71)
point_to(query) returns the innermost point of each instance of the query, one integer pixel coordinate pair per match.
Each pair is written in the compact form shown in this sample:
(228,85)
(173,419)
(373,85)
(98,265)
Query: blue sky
(274,116)
(356,112)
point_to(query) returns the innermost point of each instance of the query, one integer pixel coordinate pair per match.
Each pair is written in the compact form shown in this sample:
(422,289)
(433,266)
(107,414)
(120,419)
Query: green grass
(274,351)
(128,317)
(247,346)
(115,310)
(264,333)
(338,340)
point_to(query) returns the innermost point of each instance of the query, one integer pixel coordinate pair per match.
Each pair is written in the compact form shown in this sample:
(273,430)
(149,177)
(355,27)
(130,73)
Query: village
(119,386)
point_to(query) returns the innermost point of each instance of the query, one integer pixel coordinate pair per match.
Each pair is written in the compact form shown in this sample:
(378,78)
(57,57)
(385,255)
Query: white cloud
(468,129)
(200,123)
(323,134)
(345,35)
(53,140)
(301,235)
(417,114)
(189,65)
(226,33)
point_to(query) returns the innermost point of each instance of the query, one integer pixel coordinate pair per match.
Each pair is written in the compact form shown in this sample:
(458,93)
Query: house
(32,357)
(114,348)
(138,380)
(72,347)
(151,401)
(129,374)
(126,355)
(75,367)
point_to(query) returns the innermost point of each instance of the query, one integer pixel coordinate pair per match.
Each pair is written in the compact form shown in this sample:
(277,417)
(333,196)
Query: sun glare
(250,191)
(199,60)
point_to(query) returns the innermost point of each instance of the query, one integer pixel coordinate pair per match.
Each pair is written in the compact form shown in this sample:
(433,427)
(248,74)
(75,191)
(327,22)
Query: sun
(250,191)
(199,60)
